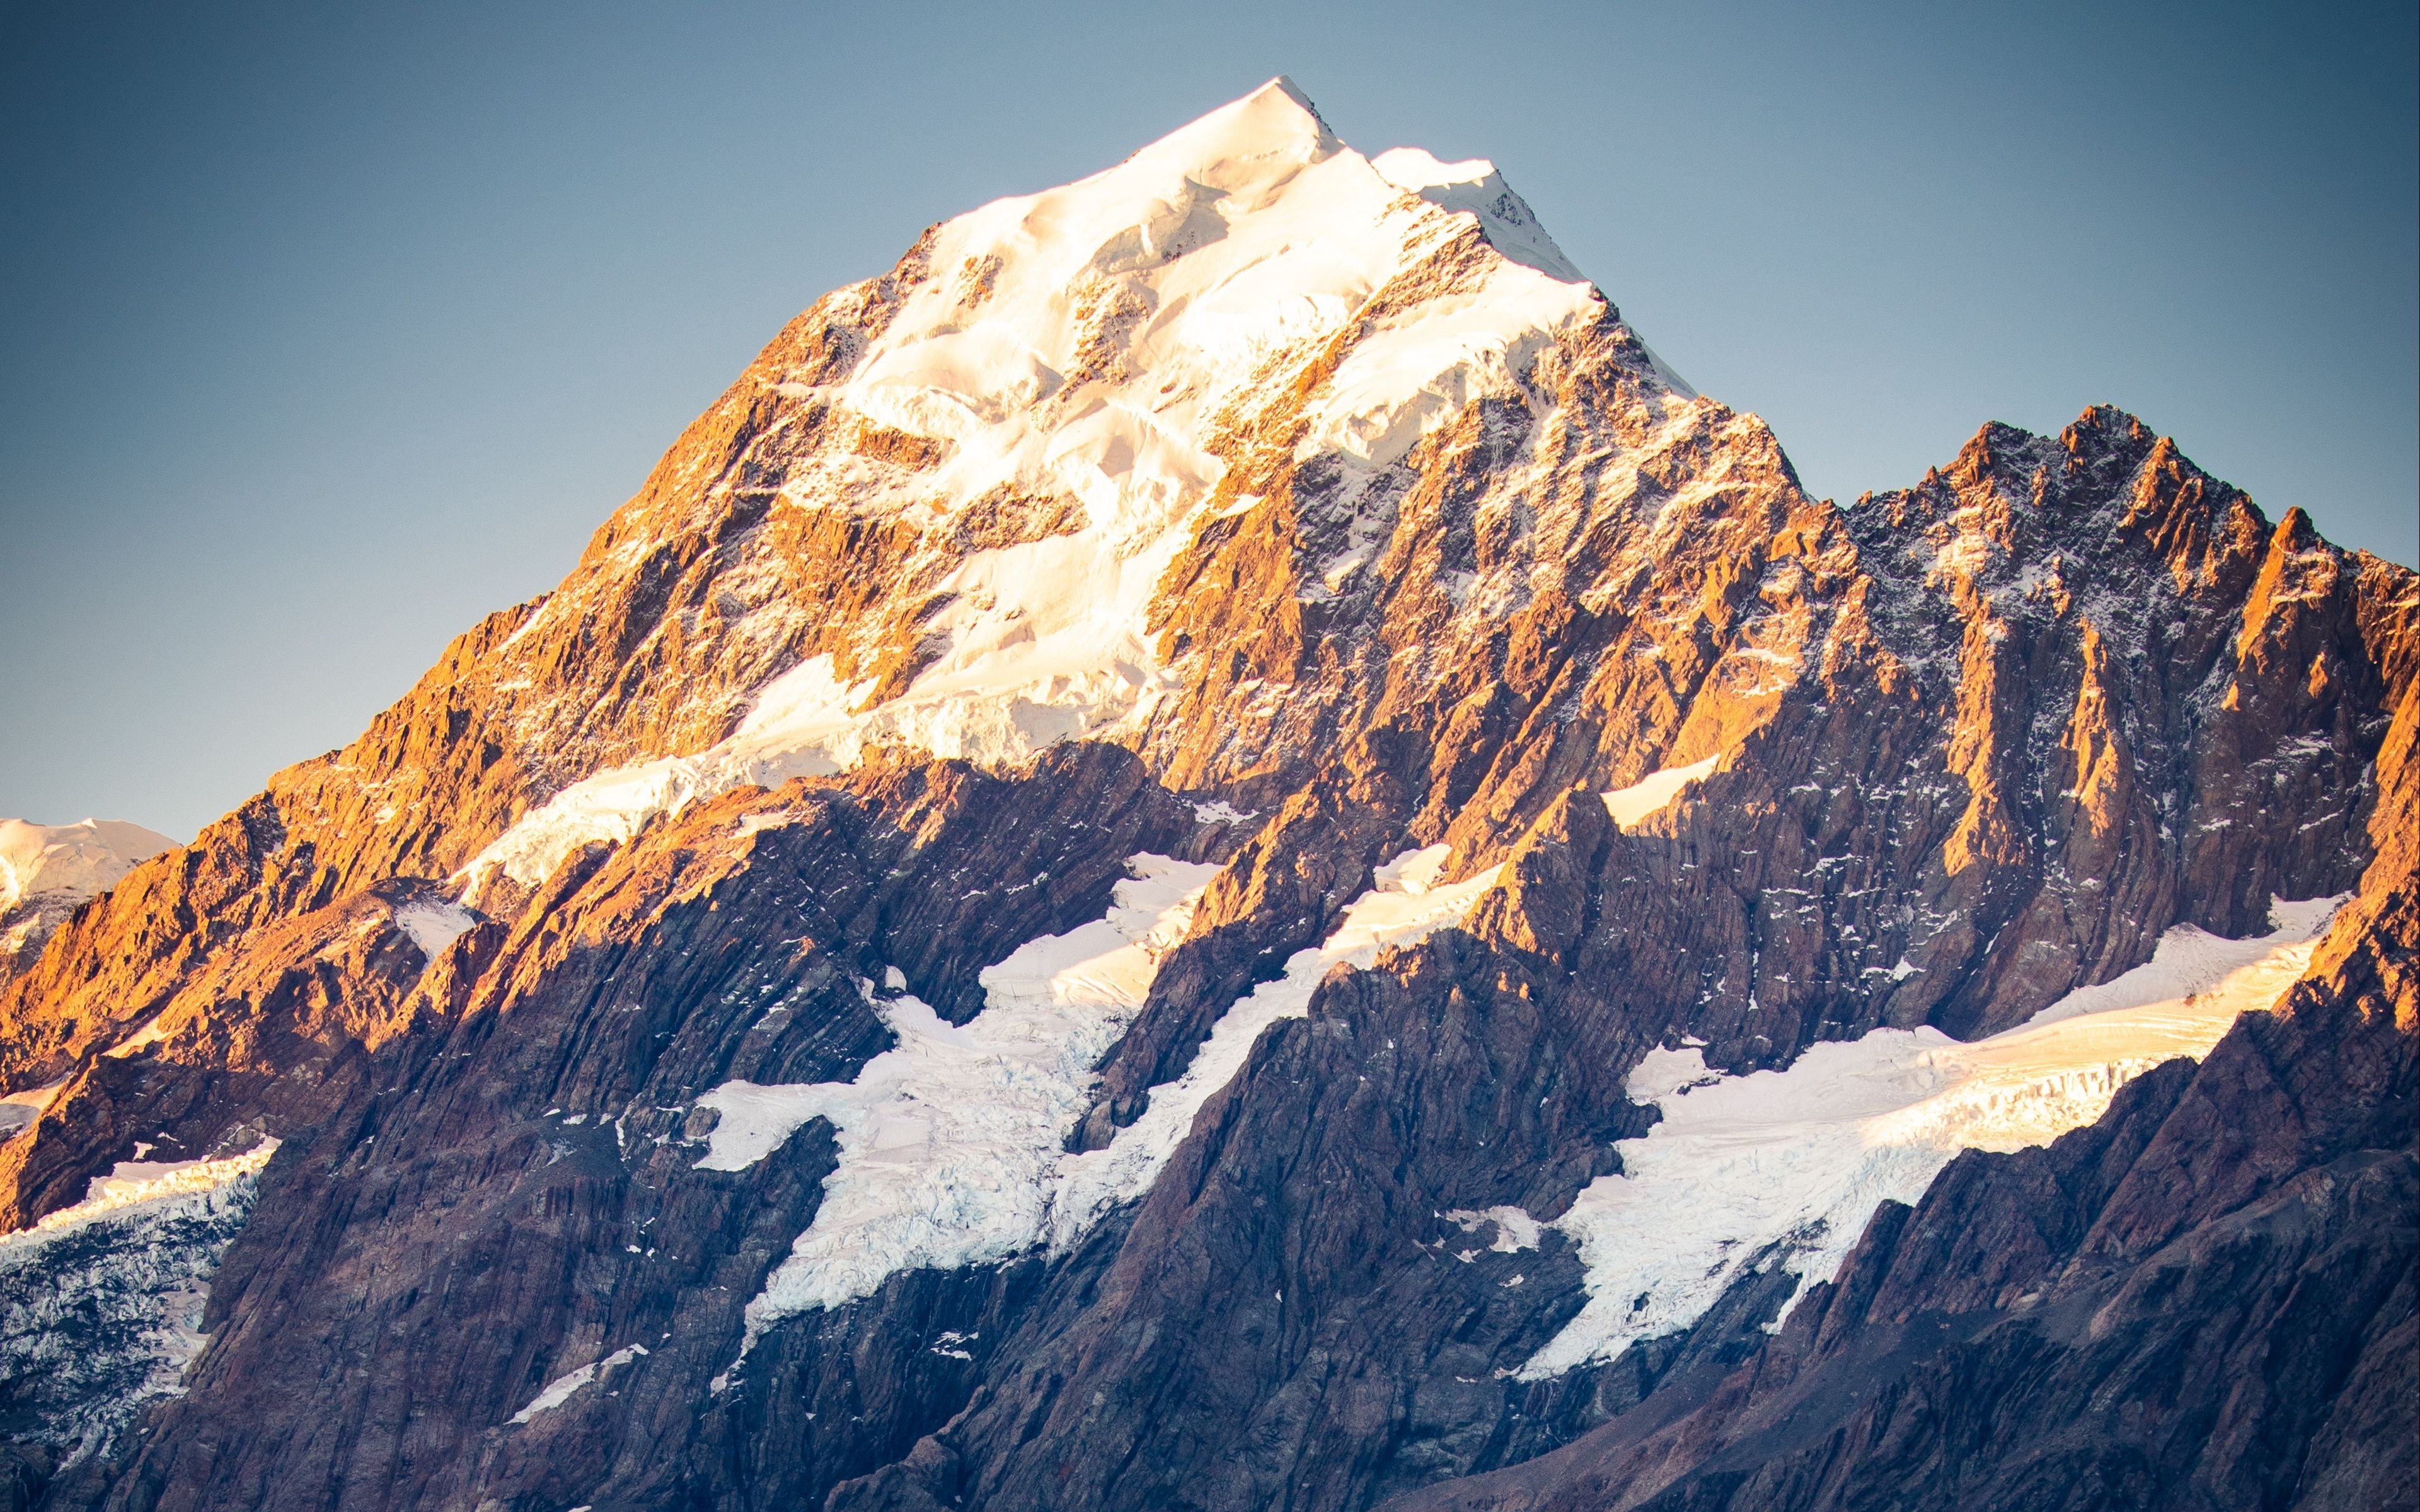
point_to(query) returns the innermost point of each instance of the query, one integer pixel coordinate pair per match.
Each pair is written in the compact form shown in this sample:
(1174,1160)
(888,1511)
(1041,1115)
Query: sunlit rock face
(1215,847)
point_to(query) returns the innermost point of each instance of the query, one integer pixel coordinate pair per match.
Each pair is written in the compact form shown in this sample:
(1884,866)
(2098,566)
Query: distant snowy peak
(70,860)
(46,869)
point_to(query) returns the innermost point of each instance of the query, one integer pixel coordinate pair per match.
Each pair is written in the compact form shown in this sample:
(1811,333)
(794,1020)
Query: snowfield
(1063,351)
(101,1303)
(77,861)
(1786,1166)
(952,1144)
(949,1142)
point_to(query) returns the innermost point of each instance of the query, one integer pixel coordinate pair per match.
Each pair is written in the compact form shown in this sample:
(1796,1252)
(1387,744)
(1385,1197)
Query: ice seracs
(102,1304)
(1786,1166)
(949,1142)
(140,1183)
(1092,347)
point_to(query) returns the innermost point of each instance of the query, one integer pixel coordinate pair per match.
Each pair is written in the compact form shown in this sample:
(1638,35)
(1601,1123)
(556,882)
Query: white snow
(103,1301)
(952,1145)
(1405,905)
(154,1031)
(755,1119)
(78,859)
(1654,793)
(1084,345)
(434,924)
(559,1390)
(949,1141)
(139,1183)
(1515,1230)
(1474,188)
(1786,1166)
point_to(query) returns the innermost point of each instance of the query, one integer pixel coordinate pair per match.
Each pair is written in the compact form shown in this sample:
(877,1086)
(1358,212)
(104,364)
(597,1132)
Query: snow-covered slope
(1091,353)
(70,860)
(46,869)
(1784,1167)
(952,1144)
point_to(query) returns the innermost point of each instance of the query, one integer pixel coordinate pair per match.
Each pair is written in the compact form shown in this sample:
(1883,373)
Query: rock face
(1090,897)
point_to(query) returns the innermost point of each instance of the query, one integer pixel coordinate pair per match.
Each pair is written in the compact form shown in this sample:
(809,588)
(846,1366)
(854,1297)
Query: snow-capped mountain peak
(79,859)
(1082,338)
(1473,187)
(46,869)
(1537,950)
(1089,364)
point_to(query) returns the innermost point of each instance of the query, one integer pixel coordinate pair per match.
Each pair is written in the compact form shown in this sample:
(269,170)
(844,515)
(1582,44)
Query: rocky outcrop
(2204,1300)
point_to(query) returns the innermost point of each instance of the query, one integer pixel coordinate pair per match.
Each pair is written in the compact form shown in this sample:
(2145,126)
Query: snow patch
(434,924)
(153,1030)
(559,1390)
(1515,1230)
(950,1142)
(20,1110)
(1793,1164)
(1654,793)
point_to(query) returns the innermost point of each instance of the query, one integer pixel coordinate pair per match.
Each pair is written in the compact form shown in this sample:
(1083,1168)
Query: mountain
(47,869)
(1214,847)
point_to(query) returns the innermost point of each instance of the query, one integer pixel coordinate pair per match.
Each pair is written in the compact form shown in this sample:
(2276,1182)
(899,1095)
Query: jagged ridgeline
(1213,847)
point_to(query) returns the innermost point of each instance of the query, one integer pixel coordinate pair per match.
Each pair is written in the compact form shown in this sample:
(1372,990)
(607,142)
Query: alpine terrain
(1213,847)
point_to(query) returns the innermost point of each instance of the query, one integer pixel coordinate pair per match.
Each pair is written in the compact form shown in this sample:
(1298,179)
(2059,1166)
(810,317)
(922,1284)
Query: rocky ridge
(1414,547)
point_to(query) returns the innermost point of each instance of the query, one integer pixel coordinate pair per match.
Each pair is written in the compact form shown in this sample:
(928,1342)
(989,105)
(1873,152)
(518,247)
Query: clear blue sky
(328,329)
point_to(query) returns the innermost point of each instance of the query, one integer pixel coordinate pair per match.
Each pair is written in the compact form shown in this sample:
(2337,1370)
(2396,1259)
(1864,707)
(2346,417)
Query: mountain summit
(1213,847)
(1047,398)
